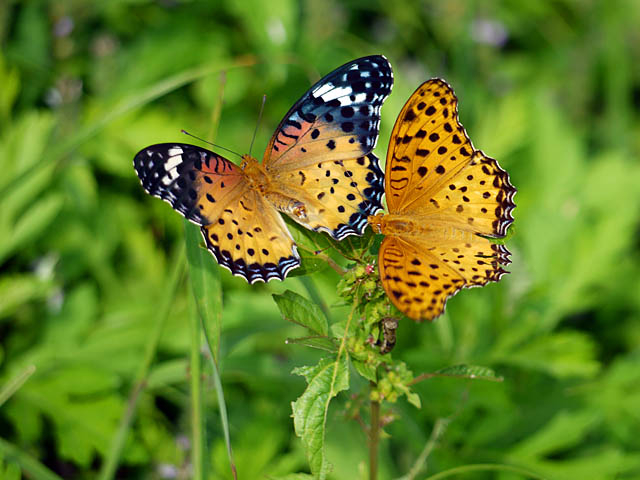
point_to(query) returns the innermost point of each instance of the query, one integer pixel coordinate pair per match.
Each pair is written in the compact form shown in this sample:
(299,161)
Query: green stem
(479,467)
(374,439)
(421,463)
(196,396)
(113,456)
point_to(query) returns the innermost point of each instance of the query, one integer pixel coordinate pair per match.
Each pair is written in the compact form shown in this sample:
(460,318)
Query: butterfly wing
(479,199)
(338,196)
(251,239)
(419,274)
(320,152)
(212,192)
(428,146)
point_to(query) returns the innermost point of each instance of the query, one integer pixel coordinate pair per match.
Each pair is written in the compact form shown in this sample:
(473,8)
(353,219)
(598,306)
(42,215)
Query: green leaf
(563,431)
(297,309)
(205,283)
(308,242)
(469,371)
(365,369)
(325,381)
(17,290)
(309,263)
(375,244)
(10,81)
(562,354)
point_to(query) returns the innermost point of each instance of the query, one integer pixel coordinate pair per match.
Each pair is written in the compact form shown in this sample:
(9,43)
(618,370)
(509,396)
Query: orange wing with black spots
(251,239)
(444,199)
(419,274)
(321,154)
(428,146)
(244,232)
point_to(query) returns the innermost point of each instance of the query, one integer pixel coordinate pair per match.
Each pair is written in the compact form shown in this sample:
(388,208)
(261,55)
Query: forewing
(194,181)
(337,119)
(479,199)
(420,274)
(428,146)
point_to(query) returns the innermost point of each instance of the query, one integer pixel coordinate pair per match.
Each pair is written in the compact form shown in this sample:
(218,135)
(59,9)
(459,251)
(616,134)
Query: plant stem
(374,439)
(421,463)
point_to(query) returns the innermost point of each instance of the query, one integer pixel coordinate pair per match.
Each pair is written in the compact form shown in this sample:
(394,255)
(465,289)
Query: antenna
(255,132)
(210,143)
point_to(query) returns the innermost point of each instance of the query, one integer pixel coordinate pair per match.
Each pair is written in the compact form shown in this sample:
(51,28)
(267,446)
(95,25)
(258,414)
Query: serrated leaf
(325,381)
(297,309)
(469,371)
(204,274)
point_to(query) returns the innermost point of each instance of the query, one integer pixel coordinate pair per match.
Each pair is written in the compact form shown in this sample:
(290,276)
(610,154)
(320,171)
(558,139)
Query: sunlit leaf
(297,309)
(325,380)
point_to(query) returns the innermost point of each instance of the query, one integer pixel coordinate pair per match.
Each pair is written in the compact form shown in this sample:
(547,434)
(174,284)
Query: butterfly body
(445,200)
(318,169)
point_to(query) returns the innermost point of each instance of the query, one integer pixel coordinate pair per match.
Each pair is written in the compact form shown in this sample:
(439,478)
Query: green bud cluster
(393,381)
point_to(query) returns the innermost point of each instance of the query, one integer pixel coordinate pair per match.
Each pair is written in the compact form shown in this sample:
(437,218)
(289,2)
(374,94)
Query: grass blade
(14,385)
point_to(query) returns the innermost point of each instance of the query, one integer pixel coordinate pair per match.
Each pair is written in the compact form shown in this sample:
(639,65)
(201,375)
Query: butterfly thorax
(392,224)
(256,175)
(259,179)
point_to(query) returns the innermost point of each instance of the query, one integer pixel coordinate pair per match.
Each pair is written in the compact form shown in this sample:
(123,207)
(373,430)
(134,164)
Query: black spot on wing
(348,99)
(251,272)
(170,171)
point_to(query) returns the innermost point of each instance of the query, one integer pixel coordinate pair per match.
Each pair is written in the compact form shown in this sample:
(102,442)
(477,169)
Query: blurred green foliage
(550,89)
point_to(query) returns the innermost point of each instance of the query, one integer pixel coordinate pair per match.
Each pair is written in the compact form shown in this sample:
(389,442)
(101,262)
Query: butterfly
(445,199)
(318,168)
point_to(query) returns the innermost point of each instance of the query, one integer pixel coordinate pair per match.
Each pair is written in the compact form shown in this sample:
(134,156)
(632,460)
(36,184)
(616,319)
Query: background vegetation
(93,290)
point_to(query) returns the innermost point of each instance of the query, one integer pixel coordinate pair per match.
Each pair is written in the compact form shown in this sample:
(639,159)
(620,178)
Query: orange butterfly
(318,168)
(444,197)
